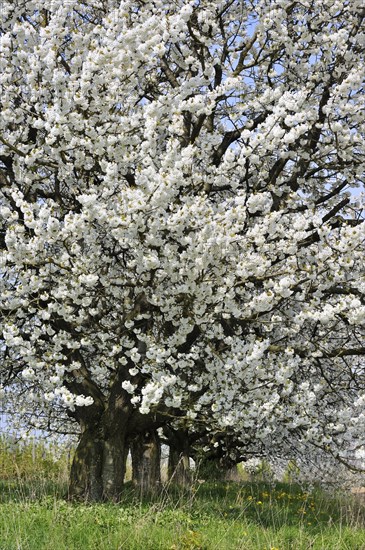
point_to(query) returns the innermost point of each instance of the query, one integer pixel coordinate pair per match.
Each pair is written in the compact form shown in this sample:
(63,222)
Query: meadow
(246,515)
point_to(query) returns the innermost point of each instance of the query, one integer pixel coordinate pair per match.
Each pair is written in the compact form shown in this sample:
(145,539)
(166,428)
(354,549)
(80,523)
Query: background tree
(181,226)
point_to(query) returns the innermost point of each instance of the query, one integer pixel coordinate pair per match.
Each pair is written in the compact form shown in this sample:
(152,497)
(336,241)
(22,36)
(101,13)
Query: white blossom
(186,228)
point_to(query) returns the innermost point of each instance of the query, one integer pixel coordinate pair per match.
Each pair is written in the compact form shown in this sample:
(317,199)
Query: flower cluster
(180,215)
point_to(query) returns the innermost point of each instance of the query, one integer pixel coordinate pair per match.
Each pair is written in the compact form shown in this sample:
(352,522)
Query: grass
(222,516)
(212,515)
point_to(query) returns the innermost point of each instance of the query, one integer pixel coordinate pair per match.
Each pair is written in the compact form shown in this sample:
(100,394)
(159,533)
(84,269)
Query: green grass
(222,516)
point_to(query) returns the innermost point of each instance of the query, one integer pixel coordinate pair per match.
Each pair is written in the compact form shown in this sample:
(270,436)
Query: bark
(85,475)
(178,468)
(115,452)
(146,456)
(98,467)
(115,420)
(179,457)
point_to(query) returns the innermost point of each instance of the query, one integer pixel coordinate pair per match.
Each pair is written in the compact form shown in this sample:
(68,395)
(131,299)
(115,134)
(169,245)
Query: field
(34,515)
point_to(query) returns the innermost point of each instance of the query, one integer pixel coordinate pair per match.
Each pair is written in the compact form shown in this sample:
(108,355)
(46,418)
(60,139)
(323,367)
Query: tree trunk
(98,467)
(85,475)
(99,464)
(216,468)
(179,456)
(209,468)
(115,452)
(146,457)
(178,468)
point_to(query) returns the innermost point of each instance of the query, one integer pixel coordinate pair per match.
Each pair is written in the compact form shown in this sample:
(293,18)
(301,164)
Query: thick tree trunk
(85,476)
(99,464)
(146,458)
(115,452)
(98,468)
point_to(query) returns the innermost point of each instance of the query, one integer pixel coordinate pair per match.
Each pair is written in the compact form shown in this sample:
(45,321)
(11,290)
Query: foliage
(182,226)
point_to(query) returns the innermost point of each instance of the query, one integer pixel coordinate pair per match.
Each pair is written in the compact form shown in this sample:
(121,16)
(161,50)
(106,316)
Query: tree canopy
(182,223)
